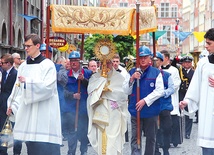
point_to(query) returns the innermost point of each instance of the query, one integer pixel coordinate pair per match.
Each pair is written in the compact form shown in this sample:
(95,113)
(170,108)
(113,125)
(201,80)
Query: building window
(32,10)
(123,4)
(164,10)
(37,12)
(174,11)
(167,35)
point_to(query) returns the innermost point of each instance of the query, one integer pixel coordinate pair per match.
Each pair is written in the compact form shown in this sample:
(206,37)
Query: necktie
(4,76)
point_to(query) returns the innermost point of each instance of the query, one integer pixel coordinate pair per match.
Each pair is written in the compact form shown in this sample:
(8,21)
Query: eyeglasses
(27,46)
(18,58)
(4,63)
(74,60)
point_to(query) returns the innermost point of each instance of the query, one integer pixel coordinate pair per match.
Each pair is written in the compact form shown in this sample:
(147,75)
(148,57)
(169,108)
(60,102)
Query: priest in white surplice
(200,95)
(107,112)
(35,102)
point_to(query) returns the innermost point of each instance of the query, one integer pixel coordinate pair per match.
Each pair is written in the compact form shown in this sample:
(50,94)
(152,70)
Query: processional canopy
(101,20)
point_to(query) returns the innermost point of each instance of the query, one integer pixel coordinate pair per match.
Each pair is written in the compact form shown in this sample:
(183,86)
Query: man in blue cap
(72,96)
(43,50)
(151,89)
(165,121)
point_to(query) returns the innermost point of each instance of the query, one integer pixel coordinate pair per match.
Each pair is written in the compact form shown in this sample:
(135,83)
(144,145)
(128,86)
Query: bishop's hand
(182,104)
(22,79)
(9,111)
(211,81)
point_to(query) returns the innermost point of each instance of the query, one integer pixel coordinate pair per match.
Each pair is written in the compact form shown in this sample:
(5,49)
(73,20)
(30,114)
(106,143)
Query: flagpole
(154,40)
(177,30)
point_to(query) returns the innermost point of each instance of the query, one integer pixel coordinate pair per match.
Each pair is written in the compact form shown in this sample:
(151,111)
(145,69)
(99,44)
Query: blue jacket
(166,101)
(147,85)
(72,88)
(60,89)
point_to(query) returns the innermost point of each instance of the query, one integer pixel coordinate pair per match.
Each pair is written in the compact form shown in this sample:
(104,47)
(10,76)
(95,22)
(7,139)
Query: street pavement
(188,147)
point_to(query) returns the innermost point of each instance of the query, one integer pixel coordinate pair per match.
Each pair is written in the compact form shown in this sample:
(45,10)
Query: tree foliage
(124,45)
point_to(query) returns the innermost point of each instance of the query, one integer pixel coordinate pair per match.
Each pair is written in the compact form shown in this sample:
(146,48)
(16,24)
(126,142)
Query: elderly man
(151,89)
(61,82)
(17,60)
(75,107)
(107,101)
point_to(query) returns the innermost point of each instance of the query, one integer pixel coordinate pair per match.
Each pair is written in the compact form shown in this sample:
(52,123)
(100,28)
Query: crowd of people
(52,102)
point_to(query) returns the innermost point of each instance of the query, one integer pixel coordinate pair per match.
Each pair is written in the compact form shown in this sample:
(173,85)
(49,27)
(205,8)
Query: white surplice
(200,94)
(36,104)
(102,117)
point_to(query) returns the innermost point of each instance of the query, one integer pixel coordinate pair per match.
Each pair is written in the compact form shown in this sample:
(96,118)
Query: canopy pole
(79,82)
(47,31)
(137,68)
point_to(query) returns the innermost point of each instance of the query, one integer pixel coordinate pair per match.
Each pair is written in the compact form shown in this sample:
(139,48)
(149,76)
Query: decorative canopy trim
(101,20)
(147,20)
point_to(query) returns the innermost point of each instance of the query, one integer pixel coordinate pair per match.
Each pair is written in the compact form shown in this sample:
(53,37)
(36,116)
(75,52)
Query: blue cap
(144,51)
(159,55)
(43,48)
(74,55)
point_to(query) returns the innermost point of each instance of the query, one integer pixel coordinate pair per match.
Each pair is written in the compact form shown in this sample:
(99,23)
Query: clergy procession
(108,104)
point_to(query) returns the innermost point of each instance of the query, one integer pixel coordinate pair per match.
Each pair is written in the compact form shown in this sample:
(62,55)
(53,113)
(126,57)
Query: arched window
(4,34)
(19,39)
(14,37)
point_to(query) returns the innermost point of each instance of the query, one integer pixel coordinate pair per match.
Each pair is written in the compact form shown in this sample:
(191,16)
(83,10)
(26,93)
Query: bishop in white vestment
(107,111)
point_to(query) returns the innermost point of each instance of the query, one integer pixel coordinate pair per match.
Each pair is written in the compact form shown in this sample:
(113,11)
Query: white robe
(103,117)
(36,104)
(126,76)
(200,94)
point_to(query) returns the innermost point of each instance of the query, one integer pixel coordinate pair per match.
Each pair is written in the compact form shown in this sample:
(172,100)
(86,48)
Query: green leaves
(124,45)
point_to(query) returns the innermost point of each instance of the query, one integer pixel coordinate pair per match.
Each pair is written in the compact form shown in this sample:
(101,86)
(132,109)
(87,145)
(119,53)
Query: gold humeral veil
(101,20)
